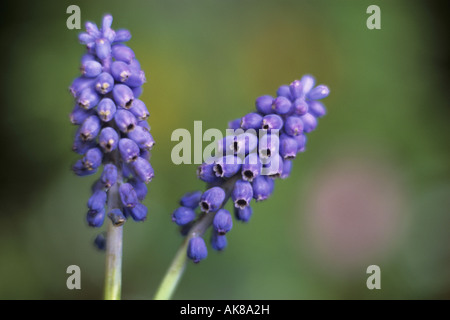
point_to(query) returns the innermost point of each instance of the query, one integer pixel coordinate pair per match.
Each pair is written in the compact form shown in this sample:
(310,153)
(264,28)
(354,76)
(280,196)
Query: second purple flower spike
(280,125)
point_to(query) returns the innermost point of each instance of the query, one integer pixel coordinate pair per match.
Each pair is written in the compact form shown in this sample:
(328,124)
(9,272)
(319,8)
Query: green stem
(113,272)
(174,274)
(178,265)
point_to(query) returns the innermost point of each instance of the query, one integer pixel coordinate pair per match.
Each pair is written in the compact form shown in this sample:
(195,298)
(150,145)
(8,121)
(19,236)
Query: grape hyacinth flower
(281,123)
(113,132)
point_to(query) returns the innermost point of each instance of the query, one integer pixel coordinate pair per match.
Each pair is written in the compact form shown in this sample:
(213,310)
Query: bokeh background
(372,188)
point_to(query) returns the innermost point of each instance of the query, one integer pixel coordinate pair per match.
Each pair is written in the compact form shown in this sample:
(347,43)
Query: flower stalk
(245,167)
(178,265)
(114,238)
(113,271)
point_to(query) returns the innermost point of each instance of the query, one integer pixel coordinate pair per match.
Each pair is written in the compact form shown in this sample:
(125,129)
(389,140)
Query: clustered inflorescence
(112,127)
(277,130)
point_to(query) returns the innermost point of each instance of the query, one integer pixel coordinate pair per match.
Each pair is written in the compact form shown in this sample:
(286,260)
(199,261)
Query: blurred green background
(372,188)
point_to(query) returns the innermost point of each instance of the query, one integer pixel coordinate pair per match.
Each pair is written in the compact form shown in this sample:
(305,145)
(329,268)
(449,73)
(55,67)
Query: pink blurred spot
(354,213)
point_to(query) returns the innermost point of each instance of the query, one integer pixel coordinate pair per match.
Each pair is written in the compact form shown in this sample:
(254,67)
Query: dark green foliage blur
(372,188)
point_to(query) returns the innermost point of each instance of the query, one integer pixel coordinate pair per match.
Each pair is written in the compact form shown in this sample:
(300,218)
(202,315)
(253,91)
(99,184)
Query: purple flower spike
(196,250)
(108,133)
(242,194)
(246,164)
(212,199)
